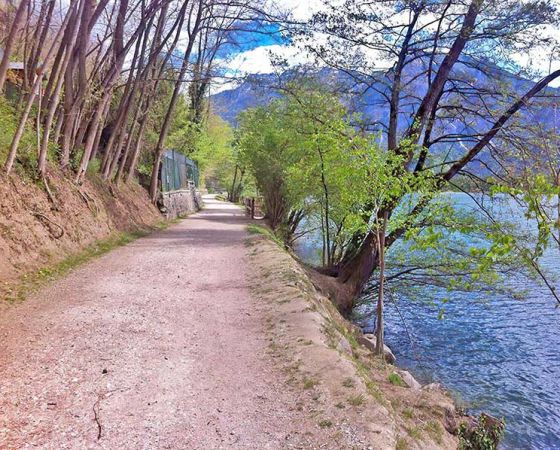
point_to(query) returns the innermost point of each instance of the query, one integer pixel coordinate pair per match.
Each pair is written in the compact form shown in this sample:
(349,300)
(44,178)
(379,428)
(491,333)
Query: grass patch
(265,231)
(364,372)
(408,413)
(30,283)
(325,423)
(414,432)
(396,380)
(357,400)
(435,430)
(401,444)
(348,382)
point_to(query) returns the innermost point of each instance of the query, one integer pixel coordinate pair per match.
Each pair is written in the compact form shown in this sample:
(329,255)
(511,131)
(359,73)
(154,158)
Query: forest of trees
(105,84)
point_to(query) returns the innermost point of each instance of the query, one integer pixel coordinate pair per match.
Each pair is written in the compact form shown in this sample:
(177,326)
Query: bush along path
(200,336)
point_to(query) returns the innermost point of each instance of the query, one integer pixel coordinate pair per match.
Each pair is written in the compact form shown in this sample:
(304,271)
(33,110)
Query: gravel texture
(157,344)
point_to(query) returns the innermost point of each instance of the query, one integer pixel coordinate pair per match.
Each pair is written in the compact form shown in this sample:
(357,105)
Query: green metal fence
(176,171)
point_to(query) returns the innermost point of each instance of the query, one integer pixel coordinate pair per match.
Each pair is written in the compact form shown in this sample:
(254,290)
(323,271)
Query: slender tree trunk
(232,192)
(74,96)
(237,194)
(21,126)
(126,153)
(327,208)
(136,153)
(90,140)
(193,33)
(100,131)
(72,30)
(31,97)
(124,106)
(119,51)
(58,127)
(379,330)
(41,37)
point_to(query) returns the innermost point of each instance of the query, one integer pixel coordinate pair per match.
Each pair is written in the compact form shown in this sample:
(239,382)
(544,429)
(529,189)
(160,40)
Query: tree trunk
(40,38)
(72,30)
(171,109)
(379,329)
(119,54)
(231,194)
(356,272)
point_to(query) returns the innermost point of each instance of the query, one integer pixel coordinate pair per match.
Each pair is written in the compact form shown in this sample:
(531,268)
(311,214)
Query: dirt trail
(158,344)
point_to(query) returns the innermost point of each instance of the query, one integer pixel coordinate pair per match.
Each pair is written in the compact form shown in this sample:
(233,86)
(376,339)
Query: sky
(256,58)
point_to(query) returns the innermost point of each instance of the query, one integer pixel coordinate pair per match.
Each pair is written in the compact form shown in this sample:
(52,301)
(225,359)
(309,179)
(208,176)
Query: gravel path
(155,345)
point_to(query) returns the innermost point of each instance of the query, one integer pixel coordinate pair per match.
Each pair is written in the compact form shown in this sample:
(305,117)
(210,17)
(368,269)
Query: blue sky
(252,55)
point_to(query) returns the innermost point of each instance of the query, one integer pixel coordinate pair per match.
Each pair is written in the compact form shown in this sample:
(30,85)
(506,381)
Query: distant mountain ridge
(369,101)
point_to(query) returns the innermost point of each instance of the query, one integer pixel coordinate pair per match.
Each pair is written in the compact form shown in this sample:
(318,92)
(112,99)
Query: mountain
(480,93)
(256,90)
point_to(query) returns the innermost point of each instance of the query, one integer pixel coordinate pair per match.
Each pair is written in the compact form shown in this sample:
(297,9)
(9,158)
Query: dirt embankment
(36,231)
(357,396)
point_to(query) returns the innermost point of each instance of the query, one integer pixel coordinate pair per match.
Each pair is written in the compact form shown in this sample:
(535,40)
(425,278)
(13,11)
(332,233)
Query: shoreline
(312,338)
(397,386)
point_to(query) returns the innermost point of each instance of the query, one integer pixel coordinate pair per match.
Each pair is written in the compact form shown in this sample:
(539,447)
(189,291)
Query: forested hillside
(92,93)
(101,87)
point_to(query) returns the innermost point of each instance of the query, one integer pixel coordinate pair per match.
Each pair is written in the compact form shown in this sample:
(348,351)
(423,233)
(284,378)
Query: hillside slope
(36,231)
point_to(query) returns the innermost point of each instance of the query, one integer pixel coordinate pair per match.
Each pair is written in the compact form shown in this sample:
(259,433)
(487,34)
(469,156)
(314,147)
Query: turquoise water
(500,355)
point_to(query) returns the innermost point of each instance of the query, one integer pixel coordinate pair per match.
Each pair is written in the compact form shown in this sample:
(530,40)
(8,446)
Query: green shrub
(26,160)
(484,435)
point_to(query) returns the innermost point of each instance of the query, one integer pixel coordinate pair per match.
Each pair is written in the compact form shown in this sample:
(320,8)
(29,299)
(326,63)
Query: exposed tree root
(49,193)
(89,200)
(95,408)
(50,222)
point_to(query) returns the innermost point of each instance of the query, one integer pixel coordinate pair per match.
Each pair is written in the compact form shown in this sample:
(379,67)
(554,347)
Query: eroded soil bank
(36,231)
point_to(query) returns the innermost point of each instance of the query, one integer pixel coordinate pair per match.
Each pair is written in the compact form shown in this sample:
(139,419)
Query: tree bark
(73,31)
(379,329)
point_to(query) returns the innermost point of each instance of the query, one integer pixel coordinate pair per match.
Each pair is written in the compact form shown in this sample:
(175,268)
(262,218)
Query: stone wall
(180,203)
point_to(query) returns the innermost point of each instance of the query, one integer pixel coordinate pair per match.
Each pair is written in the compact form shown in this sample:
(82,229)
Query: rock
(409,380)
(344,346)
(433,387)
(368,340)
(450,420)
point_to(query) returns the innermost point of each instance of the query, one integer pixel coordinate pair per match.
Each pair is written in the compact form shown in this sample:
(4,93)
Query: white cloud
(299,9)
(257,61)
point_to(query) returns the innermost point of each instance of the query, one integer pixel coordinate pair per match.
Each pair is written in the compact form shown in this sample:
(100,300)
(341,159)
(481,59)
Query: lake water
(500,356)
